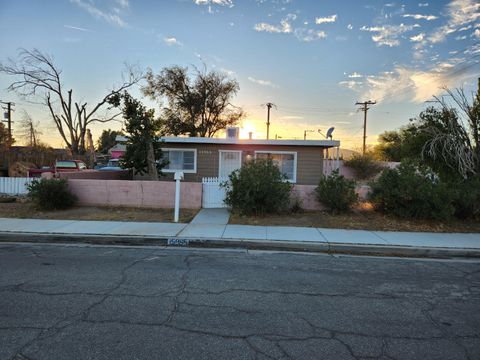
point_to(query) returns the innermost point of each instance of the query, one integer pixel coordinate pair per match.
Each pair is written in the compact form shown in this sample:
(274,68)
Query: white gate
(14,185)
(213,195)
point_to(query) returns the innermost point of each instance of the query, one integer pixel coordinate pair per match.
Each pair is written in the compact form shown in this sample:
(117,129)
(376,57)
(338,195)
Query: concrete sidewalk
(220,234)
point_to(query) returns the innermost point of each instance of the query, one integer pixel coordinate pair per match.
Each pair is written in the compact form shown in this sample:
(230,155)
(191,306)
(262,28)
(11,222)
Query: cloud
(417,38)
(285,26)
(460,13)
(349,26)
(75,28)
(415,85)
(109,17)
(355,75)
(476,33)
(420,17)
(228,3)
(422,4)
(123,4)
(261,82)
(388,35)
(308,35)
(351,84)
(171,41)
(328,19)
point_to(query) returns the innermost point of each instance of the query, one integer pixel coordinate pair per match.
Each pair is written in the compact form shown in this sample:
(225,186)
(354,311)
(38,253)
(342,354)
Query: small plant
(364,166)
(336,192)
(410,192)
(258,187)
(51,194)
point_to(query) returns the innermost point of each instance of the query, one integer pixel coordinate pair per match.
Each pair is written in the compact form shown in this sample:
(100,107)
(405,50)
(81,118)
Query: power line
(365,108)
(9,119)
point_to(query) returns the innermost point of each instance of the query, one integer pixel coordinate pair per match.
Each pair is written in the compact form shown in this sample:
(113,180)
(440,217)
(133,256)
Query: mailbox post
(178,176)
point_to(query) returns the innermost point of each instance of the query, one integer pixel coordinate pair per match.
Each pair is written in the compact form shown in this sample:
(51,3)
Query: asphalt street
(93,302)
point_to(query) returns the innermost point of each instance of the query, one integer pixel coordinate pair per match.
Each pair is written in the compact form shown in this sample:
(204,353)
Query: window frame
(186,171)
(295,156)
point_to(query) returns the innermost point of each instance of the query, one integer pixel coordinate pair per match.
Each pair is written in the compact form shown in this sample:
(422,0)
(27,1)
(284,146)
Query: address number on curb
(177,242)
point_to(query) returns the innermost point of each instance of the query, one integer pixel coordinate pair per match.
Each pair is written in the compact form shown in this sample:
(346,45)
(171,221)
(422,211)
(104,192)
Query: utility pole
(269,106)
(365,108)
(9,120)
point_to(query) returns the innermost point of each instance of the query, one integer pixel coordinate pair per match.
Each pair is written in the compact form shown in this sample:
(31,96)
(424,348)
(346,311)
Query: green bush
(409,192)
(258,188)
(336,192)
(51,194)
(364,166)
(467,198)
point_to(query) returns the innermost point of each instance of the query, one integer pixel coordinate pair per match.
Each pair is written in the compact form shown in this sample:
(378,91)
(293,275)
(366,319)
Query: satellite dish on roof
(329,133)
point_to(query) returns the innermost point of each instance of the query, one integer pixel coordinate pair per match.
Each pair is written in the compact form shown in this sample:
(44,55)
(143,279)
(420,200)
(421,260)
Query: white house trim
(294,153)
(194,171)
(204,140)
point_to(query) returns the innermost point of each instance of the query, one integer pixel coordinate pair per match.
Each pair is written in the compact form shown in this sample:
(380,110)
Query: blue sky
(313,59)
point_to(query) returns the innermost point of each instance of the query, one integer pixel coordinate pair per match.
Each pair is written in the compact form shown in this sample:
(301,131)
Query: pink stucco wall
(97,175)
(308,198)
(149,194)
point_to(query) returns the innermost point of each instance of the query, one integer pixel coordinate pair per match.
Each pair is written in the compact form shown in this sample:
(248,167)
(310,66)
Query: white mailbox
(178,175)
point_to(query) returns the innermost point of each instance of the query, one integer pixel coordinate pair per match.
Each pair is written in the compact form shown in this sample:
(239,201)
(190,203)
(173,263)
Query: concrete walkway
(211,224)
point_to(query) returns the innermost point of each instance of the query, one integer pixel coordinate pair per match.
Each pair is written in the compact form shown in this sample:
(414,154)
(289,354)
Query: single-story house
(300,160)
(117,151)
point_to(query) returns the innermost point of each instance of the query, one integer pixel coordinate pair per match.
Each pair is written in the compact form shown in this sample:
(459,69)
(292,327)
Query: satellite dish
(329,133)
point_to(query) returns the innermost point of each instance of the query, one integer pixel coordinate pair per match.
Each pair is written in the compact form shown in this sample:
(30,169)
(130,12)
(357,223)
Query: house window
(180,160)
(286,162)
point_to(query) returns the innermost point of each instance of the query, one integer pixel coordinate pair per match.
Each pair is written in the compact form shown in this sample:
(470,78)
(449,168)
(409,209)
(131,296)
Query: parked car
(60,166)
(113,165)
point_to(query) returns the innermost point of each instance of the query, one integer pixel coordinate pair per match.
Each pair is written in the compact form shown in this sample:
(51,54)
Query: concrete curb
(247,244)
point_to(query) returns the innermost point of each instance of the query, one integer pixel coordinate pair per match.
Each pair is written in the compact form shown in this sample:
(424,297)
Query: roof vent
(233,132)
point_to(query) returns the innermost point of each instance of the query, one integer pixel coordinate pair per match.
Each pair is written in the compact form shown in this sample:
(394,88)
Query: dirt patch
(24,210)
(359,219)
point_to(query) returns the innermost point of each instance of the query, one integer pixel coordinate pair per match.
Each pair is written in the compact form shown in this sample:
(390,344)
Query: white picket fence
(14,185)
(213,195)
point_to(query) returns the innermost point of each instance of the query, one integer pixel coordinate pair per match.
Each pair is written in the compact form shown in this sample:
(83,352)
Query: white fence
(14,185)
(213,194)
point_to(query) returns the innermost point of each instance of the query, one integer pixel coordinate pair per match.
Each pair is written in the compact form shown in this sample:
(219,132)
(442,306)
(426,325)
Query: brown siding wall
(309,160)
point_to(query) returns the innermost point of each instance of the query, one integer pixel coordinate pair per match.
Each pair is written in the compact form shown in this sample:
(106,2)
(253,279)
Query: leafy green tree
(143,153)
(107,140)
(195,106)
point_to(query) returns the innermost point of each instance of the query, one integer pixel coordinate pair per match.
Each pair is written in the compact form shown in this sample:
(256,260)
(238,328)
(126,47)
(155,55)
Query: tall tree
(29,130)
(198,105)
(107,140)
(143,153)
(3,136)
(39,76)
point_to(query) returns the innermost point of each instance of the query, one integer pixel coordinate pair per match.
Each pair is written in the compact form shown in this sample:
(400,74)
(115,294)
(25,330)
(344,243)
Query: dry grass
(24,210)
(362,218)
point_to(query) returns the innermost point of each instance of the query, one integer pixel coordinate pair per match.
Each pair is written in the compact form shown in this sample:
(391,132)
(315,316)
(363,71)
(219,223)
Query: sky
(313,59)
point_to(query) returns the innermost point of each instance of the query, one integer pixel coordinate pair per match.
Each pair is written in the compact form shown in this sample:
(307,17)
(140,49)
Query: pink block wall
(148,194)
(97,175)
(308,198)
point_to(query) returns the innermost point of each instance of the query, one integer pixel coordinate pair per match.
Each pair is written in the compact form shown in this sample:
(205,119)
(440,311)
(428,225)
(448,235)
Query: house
(300,160)
(198,157)
(117,151)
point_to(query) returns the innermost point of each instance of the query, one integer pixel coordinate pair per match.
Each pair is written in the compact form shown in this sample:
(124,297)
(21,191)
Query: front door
(229,161)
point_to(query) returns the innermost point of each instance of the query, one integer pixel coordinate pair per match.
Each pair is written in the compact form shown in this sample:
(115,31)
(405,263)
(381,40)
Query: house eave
(220,141)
